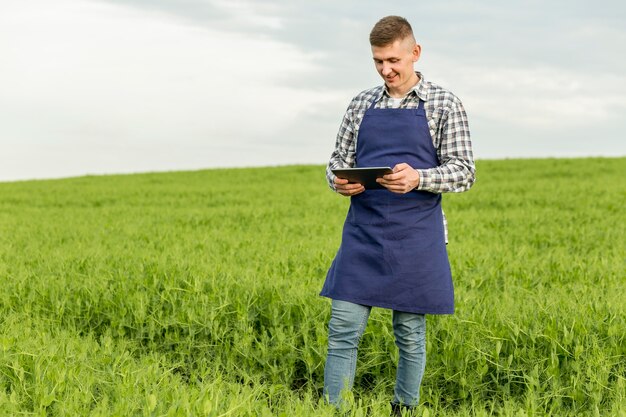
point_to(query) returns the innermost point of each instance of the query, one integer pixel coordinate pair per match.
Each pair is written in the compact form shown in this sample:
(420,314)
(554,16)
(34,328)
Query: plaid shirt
(449,129)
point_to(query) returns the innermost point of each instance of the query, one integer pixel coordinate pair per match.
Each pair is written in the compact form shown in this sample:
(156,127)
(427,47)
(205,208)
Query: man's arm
(345,151)
(456,172)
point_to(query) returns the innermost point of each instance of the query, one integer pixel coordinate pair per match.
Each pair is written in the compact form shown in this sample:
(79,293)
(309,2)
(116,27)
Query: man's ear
(417,50)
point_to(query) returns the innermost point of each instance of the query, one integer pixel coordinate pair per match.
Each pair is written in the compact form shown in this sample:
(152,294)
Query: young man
(393,250)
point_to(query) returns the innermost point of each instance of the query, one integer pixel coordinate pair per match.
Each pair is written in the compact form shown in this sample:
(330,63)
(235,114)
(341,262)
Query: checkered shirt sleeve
(451,138)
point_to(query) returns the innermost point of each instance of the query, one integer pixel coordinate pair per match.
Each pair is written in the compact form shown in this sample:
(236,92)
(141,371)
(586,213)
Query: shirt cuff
(331,182)
(425,180)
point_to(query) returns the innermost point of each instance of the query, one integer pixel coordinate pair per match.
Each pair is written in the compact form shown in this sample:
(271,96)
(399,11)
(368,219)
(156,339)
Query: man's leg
(346,326)
(410,332)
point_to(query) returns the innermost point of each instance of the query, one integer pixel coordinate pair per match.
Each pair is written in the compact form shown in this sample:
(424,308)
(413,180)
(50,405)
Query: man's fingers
(349,186)
(349,189)
(349,193)
(400,175)
(400,167)
(398,172)
(393,177)
(400,187)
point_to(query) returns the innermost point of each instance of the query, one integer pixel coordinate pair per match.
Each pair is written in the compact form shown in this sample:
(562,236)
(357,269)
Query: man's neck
(403,90)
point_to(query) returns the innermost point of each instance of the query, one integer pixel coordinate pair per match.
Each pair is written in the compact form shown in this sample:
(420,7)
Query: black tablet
(365,176)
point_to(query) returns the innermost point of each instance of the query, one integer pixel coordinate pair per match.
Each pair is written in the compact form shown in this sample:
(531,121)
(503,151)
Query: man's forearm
(453,177)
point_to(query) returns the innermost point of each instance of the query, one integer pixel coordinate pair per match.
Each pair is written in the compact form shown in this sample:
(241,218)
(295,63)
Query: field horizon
(196,293)
(253,167)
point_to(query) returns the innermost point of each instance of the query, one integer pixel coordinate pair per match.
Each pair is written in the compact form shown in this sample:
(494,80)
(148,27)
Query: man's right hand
(348,189)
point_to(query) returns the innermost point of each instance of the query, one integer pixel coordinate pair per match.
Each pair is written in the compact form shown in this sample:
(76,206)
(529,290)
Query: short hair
(389,29)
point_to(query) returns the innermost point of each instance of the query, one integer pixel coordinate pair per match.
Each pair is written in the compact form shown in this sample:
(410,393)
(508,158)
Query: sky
(91,87)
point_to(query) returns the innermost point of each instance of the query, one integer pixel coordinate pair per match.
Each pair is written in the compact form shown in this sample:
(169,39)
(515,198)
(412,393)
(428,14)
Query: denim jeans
(347,323)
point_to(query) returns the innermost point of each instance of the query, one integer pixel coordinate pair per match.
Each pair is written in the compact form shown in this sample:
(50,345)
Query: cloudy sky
(108,86)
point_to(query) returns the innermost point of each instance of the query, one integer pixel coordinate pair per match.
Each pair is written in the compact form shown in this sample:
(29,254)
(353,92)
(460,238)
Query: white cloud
(254,13)
(101,66)
(96,76)
(546,98)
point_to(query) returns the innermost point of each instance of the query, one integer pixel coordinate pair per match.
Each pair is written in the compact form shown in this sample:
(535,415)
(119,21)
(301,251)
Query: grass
(195,293)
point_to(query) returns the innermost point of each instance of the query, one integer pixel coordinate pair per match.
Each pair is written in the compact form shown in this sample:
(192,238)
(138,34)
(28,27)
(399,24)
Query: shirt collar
(420,89)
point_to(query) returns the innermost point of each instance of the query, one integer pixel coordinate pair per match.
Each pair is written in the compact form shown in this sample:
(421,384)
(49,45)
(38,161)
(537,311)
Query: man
(393,250)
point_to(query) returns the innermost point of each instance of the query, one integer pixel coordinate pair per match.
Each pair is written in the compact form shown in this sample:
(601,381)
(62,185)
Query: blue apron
(393,251)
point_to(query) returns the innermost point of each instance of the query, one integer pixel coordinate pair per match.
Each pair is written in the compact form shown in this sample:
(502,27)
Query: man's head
(395,51)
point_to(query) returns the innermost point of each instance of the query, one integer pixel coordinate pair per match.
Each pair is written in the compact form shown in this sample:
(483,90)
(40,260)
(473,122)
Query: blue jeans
(347,323)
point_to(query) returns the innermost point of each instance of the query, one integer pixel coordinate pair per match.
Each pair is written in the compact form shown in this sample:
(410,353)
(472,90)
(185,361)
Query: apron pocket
(362,252)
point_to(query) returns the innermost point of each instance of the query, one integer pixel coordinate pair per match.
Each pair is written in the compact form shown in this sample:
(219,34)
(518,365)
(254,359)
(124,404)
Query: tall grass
(195,293)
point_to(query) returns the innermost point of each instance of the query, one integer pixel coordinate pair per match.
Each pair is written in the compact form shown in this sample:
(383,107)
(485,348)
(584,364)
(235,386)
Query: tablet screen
(365,176)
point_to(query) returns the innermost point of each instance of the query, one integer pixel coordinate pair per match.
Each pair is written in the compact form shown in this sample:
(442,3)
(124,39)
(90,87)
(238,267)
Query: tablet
(365,176)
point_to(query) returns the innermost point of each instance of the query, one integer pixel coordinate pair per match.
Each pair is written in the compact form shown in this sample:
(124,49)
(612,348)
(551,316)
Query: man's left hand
(403,179)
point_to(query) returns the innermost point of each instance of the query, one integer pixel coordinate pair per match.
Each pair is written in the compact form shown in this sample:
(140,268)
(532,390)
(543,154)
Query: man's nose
(386,69)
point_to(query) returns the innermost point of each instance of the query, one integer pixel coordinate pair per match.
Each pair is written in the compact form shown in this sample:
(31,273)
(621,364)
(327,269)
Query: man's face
(394,63)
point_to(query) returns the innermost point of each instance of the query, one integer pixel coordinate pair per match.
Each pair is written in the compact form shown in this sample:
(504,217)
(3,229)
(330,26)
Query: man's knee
(410,332)
(346,326)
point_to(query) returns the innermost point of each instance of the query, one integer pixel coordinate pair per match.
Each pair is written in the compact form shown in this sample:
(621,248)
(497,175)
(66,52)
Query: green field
(196,293)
